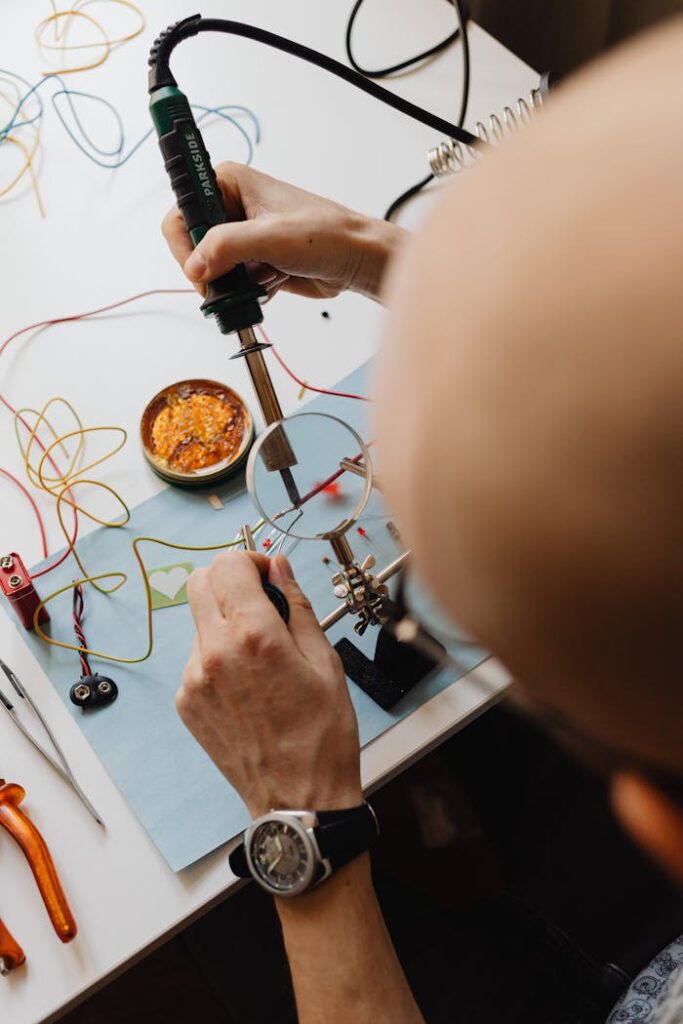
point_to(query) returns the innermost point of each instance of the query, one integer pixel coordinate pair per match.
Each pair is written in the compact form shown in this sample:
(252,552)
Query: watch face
(281,856)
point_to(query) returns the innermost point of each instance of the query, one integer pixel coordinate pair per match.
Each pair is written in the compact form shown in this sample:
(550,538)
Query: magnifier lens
(314,496)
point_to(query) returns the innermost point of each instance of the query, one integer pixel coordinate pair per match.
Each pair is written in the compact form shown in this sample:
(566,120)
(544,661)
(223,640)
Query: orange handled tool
(11,953)
(20,826)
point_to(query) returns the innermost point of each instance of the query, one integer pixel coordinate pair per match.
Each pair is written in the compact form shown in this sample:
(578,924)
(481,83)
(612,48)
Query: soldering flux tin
(196,432)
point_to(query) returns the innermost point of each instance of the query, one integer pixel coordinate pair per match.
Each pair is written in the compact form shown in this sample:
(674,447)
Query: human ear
(652,818)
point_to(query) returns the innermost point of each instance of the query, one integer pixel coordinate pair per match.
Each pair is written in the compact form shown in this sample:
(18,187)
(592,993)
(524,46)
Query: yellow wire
(105,44)
(81,432)
(73,476)
(77,8)
(64,19)
(76,11)
(93,518)
(41,417)
(148,595)
(59,486)
(29,154)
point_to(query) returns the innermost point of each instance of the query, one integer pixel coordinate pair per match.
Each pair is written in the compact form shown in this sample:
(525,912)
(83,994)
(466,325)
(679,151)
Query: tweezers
(59,763)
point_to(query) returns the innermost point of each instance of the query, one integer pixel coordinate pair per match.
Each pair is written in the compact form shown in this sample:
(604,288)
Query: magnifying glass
(332,476)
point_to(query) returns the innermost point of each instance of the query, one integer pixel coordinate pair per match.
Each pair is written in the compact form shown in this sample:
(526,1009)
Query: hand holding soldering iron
(288,239)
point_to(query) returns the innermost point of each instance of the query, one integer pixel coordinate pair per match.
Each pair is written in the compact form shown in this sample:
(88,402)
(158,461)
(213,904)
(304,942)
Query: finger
(264,274)
(176,234)
(264,240)
(233,179)
(237,581)
(179,242)
(303,625)
(203,605)
(271,292)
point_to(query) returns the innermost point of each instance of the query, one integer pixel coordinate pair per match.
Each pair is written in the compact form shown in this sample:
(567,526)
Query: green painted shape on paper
(168,584)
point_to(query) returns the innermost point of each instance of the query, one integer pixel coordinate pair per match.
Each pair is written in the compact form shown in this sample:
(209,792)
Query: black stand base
(393,673)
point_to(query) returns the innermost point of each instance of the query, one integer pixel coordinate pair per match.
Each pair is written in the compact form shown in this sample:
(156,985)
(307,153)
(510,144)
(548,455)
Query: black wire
(402,65)
(166,43)
(404,197)
(400,201)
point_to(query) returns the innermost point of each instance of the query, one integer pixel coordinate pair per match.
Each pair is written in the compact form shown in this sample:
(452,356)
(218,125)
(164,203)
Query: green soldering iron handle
(232,298)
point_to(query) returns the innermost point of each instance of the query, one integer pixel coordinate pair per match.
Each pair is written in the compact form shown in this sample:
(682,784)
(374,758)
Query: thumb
(303,625)
(225,245)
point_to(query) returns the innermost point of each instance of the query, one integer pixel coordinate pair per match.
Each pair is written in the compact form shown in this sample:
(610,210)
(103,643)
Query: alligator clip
(22,829)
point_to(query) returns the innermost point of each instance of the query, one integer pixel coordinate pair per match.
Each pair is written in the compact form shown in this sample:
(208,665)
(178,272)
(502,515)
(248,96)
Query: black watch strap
(238,861)
(341,836)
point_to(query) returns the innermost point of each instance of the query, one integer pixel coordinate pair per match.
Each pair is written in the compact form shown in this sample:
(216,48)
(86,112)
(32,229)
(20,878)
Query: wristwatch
(289,852)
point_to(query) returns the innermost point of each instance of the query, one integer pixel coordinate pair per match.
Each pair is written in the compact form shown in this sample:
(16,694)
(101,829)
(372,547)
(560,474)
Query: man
(535,325)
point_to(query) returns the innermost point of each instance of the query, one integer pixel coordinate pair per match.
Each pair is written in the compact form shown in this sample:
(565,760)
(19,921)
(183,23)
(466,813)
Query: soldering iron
(233,299)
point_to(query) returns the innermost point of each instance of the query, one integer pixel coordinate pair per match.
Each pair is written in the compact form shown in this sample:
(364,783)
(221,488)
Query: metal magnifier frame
(345,524)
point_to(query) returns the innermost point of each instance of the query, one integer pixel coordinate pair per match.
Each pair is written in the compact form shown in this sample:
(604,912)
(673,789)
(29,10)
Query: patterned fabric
(656,995)
(671,1011)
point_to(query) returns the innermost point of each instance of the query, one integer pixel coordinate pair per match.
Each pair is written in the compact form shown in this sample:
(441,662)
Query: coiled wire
(451,156)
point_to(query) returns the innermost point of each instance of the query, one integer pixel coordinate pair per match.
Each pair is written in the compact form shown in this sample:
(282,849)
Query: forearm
(343,964)
(247,701)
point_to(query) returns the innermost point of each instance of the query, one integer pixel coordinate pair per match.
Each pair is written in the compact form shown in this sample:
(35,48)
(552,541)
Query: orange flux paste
(197,430)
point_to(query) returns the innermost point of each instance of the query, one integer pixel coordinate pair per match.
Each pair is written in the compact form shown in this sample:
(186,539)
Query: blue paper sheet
(180,798)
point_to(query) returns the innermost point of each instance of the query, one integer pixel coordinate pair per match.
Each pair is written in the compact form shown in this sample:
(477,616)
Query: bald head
(531,400)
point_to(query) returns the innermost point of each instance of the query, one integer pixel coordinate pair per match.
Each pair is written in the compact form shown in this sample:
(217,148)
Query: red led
(332,490)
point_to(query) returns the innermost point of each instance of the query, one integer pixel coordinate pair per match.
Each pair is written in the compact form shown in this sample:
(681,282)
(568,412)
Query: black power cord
(401,200)
(402,65)
(460,32)
(160,73)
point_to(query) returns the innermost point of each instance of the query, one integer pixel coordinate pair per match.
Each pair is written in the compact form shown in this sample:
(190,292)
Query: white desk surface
(100,241)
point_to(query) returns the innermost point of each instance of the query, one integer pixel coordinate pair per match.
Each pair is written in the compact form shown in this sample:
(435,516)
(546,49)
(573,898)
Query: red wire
(49,323)
(330,480)
(297,380)
(92,312)
(77,610)
(96,312)
(67,552)
(63,557)
(169,291)
(41,524)
(321,391)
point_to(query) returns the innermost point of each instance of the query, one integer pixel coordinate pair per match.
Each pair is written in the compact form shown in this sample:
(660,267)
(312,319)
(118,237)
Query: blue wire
(69,93)
(9,76)
(245,110)
(111,164)
(85,143)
